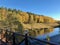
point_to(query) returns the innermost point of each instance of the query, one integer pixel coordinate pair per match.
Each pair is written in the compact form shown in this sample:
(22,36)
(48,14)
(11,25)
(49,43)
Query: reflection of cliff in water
(42,31)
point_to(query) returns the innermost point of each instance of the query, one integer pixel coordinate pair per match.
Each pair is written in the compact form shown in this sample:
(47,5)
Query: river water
(51,34)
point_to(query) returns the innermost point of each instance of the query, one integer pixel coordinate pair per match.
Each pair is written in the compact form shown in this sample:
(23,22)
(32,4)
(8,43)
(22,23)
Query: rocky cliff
(33,18)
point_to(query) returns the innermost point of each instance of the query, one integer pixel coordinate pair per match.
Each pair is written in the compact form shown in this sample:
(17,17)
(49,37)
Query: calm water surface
(55,32)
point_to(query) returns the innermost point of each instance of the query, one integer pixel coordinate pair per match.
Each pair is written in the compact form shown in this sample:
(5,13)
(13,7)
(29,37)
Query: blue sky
(49,8)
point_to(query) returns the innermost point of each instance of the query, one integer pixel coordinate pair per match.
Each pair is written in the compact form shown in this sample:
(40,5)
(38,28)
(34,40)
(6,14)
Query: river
(51,34)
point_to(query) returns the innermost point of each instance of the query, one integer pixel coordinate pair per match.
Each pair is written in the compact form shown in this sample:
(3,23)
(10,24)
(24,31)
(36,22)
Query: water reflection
(52,33)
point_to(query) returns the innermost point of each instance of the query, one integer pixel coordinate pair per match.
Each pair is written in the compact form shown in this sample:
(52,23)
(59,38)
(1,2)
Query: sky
(49,8)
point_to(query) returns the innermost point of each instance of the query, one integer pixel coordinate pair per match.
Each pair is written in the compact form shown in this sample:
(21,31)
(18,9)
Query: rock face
(29,18)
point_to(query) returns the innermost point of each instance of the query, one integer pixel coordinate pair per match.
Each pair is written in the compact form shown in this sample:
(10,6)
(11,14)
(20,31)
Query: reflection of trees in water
(42,31)
(46,30)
